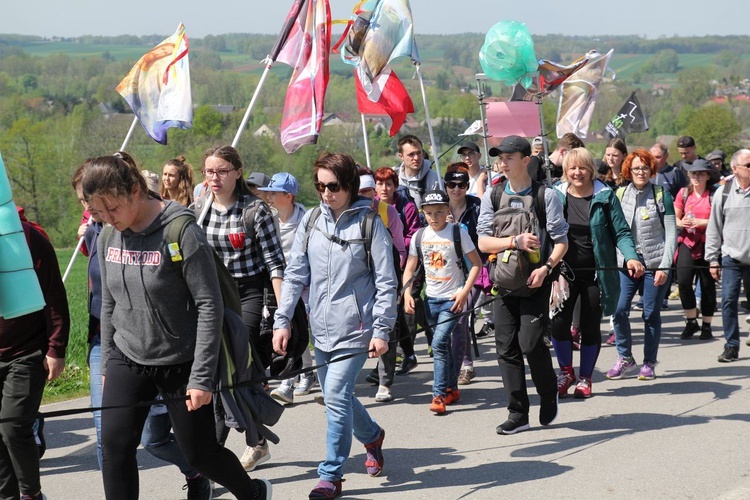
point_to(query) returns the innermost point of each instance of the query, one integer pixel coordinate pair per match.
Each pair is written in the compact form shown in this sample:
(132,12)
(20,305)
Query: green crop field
(73,49)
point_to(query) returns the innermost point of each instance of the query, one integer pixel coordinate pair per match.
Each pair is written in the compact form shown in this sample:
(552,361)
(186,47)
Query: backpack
(514,215)
(419,272)
(658,199)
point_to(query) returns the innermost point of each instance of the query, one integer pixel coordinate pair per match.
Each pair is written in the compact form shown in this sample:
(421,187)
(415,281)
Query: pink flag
(307,33)
(513,118)
(388,97)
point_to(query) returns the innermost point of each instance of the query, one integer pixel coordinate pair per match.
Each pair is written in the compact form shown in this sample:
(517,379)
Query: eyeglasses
(333,187)
(459,185)
(746,165)
(221,174)
(467,155)
(641,169)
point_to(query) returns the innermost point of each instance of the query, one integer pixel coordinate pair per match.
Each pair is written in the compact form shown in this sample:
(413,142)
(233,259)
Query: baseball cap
(258,179)
(366,182)
(282,182)
(538,141)
(717,154)
(468,145)
(456,176)
(435,198)
(685,142)
(512,144)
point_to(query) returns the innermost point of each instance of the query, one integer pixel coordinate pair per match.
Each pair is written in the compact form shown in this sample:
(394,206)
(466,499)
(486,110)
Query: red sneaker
(438,405)
(374,462)
(452,396)
(583,388)
(565,380)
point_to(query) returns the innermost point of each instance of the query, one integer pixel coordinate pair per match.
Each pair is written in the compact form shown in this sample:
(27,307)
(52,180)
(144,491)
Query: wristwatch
(549,268)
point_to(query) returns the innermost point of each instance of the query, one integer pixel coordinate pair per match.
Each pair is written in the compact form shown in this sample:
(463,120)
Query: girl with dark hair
(255,262)
(177,181)
(614,155)
(159,330)
(352,309)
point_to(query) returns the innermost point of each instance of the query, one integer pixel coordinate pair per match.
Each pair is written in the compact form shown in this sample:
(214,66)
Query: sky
(649,18)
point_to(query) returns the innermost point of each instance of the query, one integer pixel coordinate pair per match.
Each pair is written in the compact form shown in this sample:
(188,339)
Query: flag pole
(429,127)
(367,141)
(483,117)
(547,165)
(125,143)
(73,257)
(250,107)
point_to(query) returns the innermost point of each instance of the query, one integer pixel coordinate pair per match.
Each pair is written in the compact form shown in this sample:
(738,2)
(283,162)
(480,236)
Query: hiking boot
(407,365)
(622,367)
(438,405)
(306,383)
(691,328)
(260,489)
(284,393)
(706,333)
(253,457)
(325,489)
(513,425)
(198,488)
(451,396)
(583,388)
(487,329)
(383,395)
(375,460)
(466,375)
(647,372)
(548,410)
(575,337)
(565,380)
(611,338)
(730,354)
(373,377)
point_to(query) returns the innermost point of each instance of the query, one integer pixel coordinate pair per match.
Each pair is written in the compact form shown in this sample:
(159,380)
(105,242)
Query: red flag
(305,44)
(388,97)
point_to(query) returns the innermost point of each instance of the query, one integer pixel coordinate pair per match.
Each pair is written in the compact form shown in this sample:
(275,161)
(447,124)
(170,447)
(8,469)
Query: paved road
(683,435)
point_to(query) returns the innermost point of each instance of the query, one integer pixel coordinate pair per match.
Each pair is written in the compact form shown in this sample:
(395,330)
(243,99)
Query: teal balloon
(508,53)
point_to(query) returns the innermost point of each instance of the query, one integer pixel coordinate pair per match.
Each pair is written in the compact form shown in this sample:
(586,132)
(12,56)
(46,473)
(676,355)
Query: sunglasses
(333,187)
(459,185)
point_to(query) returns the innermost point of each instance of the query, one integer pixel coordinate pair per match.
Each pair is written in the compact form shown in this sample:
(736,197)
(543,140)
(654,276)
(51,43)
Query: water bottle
(691,217)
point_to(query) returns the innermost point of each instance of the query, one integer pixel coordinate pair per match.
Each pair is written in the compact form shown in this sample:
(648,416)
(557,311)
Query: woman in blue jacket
(352,309)
(596,228)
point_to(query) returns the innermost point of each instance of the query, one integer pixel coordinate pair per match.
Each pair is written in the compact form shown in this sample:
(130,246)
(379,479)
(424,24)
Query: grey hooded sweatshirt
(155,313)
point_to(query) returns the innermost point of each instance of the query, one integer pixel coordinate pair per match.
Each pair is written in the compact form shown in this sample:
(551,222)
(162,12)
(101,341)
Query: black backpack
(516,214)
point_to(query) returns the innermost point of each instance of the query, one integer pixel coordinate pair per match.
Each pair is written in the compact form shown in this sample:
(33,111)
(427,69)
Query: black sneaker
(373,377)
(198,488)
(548,410)
(730,354)
(512,426)
(407,365)
(706,333)
(691,328)
(487,329)
(260,489)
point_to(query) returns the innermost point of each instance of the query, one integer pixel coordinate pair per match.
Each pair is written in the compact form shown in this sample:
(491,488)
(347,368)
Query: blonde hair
(582,158)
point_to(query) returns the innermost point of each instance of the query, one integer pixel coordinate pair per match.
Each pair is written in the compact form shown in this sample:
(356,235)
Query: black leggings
(687,268)
(587,289)
(127,384)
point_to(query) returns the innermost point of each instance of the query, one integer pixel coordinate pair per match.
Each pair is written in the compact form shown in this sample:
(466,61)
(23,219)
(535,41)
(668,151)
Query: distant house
(336,119)
(106,109)
(265,131)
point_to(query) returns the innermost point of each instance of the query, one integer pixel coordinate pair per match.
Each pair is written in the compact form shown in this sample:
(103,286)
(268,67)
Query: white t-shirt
(443,276)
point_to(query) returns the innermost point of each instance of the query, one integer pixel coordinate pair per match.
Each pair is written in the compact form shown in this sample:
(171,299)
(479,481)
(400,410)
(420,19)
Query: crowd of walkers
(385,254)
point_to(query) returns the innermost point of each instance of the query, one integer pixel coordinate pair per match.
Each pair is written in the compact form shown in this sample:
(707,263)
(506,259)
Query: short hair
(411,140)
(231,156)
(343,167)
(185,181)
(646,158)
(112,176)
(663,147)
(385,174)
(736,156)
(581,157)
(570,141)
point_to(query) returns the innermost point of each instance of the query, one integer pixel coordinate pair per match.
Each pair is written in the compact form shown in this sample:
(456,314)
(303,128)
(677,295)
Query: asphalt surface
(684,435)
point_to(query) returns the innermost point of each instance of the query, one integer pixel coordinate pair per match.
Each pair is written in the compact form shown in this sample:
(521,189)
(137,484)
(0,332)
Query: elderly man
(728,247)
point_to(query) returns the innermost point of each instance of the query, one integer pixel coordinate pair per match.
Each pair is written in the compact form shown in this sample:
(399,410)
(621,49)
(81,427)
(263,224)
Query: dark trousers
(22,387)
(519,331)
(418,318)
(687,269)
(584,290)
(127,384)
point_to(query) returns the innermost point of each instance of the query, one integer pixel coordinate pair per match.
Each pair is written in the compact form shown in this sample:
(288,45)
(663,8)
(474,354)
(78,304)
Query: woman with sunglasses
(649,212)
(159,330)
(464,210)
(352,310)
(256,264)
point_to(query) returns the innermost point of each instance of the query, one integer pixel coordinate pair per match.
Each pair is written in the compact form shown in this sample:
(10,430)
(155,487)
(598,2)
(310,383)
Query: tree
(714,126)
(208,122)
(694,86)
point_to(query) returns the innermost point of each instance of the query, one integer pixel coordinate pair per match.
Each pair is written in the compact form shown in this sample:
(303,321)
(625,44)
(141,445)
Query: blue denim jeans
(345,415)
(731,281)
(158,440)
(95,388)
(444,321)
(652,299)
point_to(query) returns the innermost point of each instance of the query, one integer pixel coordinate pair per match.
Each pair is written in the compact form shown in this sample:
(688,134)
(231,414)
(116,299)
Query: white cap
(366,182)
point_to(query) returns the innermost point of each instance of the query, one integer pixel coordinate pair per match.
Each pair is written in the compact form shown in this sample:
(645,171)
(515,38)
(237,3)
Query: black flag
(629,119)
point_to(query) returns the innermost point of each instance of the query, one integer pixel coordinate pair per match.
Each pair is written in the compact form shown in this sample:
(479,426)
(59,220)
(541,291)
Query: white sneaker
(284,392)
(253,457)
(306,383)
(384,395)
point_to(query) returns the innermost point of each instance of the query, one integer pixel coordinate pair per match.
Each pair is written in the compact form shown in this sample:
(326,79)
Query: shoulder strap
(725,195)
(458,248)
(497,195)
(366,230)
(620,192)
(540,205)
(383,212)
(309,227)
(659,201)
(175,230)
(418,243)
